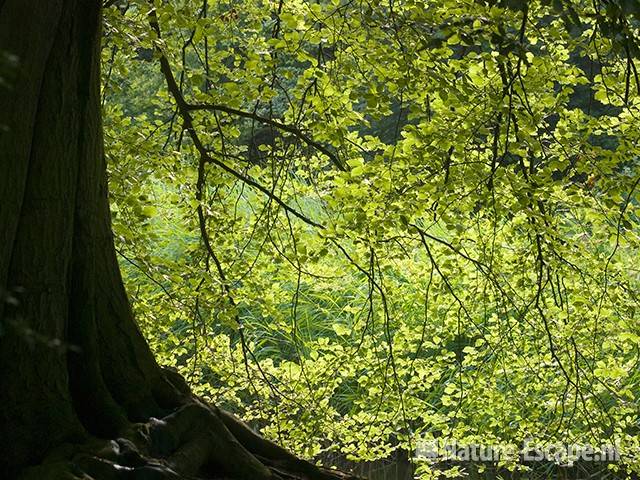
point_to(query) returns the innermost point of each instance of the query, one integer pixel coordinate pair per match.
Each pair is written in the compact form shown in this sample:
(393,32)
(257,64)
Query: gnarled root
(196,441)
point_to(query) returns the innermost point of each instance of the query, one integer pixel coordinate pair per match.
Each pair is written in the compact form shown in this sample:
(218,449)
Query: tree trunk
(69,347)
(75,369)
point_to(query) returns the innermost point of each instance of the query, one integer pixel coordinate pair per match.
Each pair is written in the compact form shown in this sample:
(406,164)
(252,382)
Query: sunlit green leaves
(473,276)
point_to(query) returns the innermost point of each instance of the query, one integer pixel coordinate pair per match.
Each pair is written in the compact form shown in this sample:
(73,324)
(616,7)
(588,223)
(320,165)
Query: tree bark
(81,395)
(68,345)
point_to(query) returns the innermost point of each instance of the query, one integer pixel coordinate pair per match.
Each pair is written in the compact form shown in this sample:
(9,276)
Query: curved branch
(184,111)
(274,123)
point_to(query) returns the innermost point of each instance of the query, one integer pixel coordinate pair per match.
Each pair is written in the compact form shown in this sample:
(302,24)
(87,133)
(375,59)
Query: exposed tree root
(194,442)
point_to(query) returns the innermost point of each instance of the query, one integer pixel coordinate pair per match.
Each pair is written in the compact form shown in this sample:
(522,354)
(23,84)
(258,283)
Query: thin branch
(274,123)
(184,111)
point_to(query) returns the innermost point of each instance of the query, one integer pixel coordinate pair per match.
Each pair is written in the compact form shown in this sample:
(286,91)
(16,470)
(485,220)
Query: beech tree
(83,396)
(447,189)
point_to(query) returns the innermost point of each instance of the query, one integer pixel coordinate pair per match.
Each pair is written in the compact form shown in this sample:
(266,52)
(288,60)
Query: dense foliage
(360,225)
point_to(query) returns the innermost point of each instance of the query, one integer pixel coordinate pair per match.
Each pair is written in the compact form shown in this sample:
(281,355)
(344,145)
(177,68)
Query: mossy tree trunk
(69,347)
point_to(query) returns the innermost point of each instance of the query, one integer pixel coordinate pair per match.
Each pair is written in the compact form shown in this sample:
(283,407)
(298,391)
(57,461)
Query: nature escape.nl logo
(446,449)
